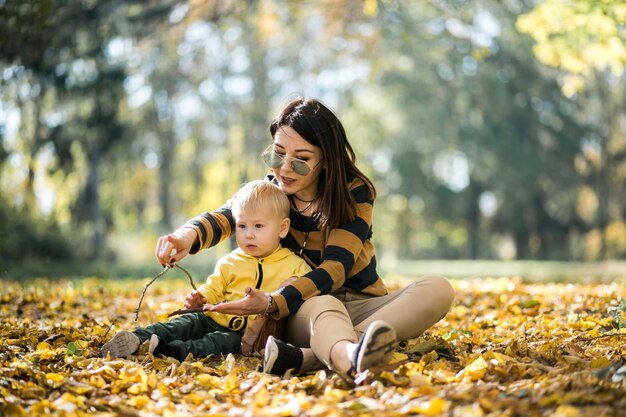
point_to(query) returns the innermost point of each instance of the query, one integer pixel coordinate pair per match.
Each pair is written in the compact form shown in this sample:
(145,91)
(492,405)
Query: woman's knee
(444,289)
(436,288)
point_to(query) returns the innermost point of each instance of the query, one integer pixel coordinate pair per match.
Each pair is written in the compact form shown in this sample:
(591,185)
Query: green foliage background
(121,119)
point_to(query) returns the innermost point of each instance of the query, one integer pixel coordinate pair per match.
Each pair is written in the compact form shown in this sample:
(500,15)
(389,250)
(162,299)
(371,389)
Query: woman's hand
(179,241)
(194,300)
(255,302)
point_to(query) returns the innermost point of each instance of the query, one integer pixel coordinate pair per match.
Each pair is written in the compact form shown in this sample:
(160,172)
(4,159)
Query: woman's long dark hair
(319,126)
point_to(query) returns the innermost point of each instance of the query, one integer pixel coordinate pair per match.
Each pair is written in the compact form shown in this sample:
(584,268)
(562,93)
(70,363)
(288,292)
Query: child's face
(258,232)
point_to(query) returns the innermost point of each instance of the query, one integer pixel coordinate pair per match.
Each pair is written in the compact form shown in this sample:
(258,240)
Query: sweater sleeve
(346,245)
(215,226)
(212,227)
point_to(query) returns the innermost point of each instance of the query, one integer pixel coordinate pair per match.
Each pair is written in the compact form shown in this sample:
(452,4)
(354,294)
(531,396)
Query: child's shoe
(123,344)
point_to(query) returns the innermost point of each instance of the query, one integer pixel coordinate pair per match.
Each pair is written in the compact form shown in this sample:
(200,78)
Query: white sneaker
(123,344)
(375,347)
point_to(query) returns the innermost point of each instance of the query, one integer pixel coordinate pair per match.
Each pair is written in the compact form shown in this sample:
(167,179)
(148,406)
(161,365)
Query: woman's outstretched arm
(200,232)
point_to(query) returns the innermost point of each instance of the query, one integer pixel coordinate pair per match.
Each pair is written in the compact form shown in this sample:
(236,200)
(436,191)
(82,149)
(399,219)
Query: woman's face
(290,145)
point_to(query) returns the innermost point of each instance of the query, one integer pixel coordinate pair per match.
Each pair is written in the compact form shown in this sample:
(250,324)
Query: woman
(340,313)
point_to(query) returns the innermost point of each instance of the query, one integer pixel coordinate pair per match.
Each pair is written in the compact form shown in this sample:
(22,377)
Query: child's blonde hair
(256,194)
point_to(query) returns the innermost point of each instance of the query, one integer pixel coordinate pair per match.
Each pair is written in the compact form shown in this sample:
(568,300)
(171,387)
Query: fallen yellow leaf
(474,371)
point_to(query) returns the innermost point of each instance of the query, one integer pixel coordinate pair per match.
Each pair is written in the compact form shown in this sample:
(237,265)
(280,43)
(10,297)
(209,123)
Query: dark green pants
(194,333)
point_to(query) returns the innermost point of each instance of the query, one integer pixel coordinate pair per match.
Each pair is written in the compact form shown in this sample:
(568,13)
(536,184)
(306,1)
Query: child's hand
(194,300)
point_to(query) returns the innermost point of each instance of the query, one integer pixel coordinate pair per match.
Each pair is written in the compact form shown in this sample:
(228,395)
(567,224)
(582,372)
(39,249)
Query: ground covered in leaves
(507,348)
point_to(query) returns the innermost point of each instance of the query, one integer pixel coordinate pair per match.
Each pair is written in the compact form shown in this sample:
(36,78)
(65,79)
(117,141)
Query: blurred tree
(123,116)
(578,36)
(59,50)
(533,131)
(491,135)
(586,40)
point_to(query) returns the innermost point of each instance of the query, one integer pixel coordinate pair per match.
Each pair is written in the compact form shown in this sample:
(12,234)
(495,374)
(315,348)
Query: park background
(493,130)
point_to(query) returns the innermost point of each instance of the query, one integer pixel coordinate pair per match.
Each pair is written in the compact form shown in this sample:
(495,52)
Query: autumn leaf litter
(506,348)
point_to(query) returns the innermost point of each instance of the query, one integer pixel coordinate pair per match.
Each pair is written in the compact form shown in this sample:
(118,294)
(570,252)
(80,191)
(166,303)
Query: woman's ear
(284,227)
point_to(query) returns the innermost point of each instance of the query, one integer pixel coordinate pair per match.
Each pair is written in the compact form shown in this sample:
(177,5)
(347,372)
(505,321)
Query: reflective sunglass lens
(300,167)
(272,160)
(275,161)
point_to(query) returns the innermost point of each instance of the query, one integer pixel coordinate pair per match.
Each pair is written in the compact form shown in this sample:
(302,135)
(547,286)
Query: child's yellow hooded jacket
(237,270)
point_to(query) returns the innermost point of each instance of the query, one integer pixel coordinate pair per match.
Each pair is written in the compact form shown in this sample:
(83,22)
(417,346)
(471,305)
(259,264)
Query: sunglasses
(275,160)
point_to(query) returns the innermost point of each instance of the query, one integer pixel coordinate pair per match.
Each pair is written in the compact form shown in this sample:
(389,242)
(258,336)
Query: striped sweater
(342,257)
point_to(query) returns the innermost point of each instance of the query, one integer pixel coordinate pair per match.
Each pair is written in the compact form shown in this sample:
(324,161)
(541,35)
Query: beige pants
(324,320)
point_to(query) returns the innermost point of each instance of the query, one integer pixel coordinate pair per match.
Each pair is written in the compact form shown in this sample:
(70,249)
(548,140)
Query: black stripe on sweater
(358,227)
(364,278)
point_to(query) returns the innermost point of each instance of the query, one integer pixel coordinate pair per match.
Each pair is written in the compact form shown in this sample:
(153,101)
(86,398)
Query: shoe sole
(271,354)
(123,344)
(376,346)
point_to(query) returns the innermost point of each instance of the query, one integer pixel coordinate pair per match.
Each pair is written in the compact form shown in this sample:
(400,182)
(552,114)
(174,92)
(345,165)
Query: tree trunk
(165,178)
(521,244)
(603,187)
(473,219)
(93,201)
(30,199)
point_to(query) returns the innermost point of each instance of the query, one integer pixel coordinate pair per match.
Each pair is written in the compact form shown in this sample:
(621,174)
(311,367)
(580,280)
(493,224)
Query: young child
(260,212)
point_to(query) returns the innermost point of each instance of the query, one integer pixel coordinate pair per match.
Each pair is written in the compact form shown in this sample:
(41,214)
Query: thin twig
(188,275)
(143,293)
(185,311)
(165,269)
(108,330)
